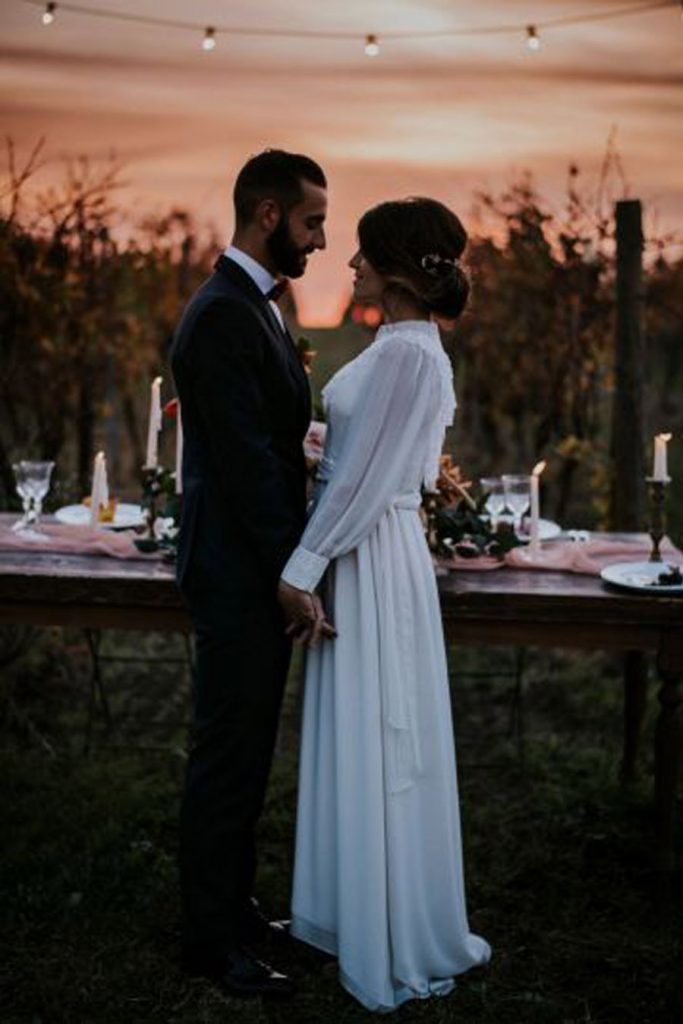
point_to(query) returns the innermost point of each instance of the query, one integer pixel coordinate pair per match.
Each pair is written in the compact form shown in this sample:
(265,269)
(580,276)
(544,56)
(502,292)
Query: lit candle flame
(538,469)
(665,437)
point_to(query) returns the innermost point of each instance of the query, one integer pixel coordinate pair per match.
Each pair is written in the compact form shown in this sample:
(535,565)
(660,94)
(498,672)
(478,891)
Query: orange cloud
(441,116)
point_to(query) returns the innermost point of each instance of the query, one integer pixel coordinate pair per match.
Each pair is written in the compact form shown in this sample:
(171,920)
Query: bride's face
(368,285)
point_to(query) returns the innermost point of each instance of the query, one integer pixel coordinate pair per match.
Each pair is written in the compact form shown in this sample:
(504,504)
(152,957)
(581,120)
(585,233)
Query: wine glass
(517,488)
(492,486)
(32,483)
(24,491)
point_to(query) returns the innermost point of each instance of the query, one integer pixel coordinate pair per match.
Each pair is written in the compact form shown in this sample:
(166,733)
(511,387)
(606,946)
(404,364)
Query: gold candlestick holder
(657,516)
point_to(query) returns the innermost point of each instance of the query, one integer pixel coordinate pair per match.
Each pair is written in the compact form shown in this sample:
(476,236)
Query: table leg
(635,702)
(517,708)
(97,689)
(668,740)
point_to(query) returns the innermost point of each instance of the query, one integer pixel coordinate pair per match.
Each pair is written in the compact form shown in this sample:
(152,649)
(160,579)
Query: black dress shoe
(241,974)
(256,928)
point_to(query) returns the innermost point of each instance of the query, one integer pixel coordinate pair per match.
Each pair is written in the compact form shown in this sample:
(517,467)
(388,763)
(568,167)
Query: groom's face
(301,233)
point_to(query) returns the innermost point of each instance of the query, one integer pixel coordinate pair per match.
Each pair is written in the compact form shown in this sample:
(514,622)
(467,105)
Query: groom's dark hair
(273,174)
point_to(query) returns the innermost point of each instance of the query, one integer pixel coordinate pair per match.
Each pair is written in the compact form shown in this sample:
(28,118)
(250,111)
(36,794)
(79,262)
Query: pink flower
(314,442)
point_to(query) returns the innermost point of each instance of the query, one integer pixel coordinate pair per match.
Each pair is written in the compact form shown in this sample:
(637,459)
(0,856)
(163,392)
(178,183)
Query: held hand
(305,614)
(310,636)
(322,628)
(300,612)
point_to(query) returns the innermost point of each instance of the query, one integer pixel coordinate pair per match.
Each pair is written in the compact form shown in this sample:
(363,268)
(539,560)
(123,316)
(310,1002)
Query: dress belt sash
(404,761)
(409,500)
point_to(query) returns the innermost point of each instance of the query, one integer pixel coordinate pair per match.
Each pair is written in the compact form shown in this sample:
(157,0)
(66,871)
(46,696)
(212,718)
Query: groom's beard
(287,257)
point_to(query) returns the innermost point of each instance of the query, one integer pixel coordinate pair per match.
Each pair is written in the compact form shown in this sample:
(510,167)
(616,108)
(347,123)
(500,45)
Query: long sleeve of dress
(386,440)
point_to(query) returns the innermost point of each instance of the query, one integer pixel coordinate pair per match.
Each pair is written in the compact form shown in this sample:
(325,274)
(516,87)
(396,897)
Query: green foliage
(534,354)
(85,322)
(536,349)
(557,855)
(86,318)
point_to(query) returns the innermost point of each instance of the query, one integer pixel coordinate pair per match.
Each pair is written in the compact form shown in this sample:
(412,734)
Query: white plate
(547,530)
(125,516)
(639,576)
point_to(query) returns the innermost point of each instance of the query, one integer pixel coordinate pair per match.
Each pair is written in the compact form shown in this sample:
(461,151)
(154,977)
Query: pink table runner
(557,556)
(71,540)
(588,557)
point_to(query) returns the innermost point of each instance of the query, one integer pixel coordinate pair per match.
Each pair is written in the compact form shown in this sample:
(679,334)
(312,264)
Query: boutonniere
(306,353)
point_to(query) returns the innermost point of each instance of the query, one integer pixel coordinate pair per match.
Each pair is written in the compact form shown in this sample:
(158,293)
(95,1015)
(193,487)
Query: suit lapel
(247,285)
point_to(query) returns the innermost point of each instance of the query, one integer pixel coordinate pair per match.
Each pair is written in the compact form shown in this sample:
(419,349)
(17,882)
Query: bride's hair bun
(416,244)
(450,289)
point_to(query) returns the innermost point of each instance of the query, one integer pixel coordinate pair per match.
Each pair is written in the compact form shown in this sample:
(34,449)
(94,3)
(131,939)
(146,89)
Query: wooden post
(627,506)
(627,510)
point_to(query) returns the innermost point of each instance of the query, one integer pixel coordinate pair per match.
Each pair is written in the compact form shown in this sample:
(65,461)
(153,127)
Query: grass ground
(556,852)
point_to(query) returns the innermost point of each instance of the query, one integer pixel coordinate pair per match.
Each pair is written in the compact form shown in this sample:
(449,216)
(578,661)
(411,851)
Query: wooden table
(506,607)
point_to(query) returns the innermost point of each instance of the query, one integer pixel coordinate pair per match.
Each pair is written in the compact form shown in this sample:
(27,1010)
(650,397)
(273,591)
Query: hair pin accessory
(434,264)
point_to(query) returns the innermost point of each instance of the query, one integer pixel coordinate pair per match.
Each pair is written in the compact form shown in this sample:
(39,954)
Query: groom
(246,408)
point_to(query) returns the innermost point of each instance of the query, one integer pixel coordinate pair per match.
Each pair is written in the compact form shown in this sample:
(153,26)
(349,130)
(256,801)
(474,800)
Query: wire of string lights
(370,42)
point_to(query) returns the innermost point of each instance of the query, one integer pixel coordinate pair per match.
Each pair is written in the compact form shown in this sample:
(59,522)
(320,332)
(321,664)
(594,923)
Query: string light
(371,41)
(371,46)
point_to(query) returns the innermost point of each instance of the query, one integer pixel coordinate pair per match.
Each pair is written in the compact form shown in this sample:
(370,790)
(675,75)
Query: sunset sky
(441,116)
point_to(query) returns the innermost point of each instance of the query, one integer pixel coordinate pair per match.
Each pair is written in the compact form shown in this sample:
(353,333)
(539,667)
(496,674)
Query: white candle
(104,493)
(535,502)
(99,488)
(152,460)
(659,469)
(179,452)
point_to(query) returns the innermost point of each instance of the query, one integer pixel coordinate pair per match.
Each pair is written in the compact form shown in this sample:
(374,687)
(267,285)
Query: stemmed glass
(32,483)
(492,486)
(517,490)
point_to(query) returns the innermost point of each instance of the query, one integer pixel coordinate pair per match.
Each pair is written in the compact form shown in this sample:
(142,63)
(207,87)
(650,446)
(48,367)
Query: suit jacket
(246,407)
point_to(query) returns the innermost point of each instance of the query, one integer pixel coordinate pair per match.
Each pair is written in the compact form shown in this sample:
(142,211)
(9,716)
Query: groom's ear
(268,215)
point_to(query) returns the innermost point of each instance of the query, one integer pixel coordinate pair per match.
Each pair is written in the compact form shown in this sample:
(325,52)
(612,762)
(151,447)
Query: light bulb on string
(209,40)
(532,38)
(49,14)
(371,46)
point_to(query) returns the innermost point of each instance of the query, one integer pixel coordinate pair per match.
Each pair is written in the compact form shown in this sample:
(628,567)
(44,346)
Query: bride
(378,877)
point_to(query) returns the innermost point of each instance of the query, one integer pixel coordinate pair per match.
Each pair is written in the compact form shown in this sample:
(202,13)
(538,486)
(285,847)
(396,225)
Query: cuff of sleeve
(304,569)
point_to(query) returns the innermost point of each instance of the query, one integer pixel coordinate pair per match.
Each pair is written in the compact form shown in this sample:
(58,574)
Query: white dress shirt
(261,277)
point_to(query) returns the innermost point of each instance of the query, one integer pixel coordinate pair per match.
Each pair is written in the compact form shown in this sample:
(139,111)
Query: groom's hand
(310,636)
(305,616)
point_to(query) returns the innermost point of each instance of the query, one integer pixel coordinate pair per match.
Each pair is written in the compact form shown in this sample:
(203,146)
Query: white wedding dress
(378,876)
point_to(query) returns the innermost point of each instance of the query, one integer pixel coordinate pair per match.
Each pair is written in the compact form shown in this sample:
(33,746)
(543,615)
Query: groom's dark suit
(246,408)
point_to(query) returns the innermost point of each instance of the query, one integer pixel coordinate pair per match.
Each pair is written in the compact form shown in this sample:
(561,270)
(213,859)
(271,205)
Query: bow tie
(277,290)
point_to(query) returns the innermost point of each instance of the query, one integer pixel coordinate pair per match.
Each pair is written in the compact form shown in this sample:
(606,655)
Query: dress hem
(327,941)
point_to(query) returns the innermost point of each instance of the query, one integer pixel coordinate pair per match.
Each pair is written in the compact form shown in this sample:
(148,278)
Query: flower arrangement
(306,353)
(454,520)
(161,503)
(162,512)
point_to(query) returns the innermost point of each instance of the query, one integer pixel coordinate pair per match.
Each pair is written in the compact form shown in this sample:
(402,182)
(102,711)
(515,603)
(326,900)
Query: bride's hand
(323,629)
